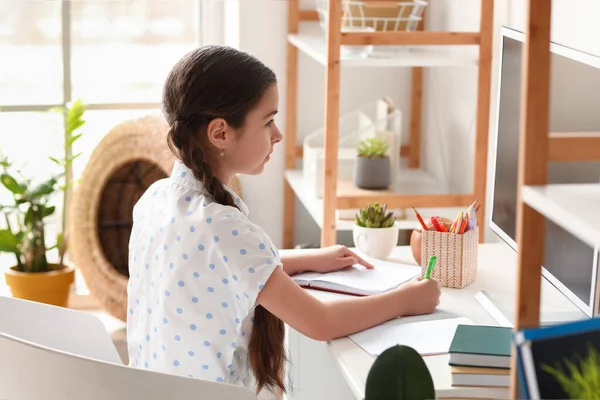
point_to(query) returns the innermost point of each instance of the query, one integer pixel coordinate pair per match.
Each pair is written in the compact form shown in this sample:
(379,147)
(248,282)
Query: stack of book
(480,356)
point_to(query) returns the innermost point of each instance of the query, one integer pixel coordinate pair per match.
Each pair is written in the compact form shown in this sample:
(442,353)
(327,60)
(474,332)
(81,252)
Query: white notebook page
(384,276)
(427,336)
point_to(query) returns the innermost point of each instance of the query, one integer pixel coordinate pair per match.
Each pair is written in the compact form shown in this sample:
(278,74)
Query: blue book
(544,355)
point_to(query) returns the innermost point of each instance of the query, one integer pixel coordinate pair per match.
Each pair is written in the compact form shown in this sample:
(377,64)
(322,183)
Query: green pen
(430,266)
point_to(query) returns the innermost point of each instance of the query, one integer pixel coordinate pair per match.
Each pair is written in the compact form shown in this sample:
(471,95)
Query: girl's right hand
(419,296)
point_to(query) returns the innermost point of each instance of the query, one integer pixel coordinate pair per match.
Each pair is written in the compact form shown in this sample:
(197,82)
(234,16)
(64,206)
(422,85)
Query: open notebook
(357,280)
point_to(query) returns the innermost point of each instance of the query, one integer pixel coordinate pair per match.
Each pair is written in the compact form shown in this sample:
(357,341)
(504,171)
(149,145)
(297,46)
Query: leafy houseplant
(399,373)
(580,380)
(374,231)
(373,168)
(375,216)
(33,277)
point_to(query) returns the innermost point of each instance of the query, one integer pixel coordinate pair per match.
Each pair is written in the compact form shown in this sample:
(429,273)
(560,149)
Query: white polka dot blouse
(196,268)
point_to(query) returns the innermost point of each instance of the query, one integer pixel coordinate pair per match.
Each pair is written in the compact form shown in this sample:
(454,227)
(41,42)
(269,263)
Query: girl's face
(253,143)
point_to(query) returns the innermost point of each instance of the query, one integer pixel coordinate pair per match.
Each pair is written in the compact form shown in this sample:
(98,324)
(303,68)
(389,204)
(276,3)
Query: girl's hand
(334,258)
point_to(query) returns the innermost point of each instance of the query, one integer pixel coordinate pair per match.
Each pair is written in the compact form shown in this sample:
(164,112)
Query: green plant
(24,235)
(374,147)
(582,379)
(375,216)
(73,120)
(25,217)
(399,373)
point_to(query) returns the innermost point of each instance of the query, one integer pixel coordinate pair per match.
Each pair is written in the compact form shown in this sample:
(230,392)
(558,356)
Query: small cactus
(375,216)
(399,373)
(374,147)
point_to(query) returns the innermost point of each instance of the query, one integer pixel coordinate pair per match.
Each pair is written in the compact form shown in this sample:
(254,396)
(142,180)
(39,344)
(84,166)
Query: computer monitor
(569,264)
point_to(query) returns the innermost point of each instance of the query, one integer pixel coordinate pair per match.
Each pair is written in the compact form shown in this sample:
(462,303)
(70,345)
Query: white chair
(50,353)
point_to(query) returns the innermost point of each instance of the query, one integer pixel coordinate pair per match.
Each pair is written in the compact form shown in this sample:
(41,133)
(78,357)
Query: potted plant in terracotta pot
(374,231)
(373,168)
(33,277)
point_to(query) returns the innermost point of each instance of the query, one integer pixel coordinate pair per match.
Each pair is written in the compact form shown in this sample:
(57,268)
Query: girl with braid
(209,293)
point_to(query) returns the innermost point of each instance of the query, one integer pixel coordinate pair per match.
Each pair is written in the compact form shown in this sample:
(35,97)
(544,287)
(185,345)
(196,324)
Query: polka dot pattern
(196,271)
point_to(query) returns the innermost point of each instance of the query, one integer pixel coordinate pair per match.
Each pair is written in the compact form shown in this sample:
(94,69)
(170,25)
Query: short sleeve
(248,252)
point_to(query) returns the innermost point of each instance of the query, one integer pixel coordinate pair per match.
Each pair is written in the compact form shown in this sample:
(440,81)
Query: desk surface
(496,275)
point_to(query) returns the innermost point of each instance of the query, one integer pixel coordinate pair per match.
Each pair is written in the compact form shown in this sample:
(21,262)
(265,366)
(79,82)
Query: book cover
(560,361)
(481,346)
(482,340)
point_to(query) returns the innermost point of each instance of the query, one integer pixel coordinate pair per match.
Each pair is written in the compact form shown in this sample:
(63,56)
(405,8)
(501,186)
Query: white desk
(312,362)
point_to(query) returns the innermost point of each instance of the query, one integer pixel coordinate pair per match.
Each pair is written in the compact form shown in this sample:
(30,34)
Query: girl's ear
(219,133)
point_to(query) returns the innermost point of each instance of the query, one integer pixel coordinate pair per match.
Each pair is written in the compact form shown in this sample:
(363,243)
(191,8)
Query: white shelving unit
(311,41)
(575,207)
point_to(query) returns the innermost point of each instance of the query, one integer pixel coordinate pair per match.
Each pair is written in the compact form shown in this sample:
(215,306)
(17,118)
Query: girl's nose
(277,136)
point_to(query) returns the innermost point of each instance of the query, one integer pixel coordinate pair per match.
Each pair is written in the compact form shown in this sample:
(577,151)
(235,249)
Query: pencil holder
(456,256)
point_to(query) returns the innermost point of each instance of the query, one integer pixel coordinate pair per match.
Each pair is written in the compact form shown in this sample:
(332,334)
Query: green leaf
(43,189)
(48,211)
(373,147)
(358,221)
(73,125)
(70,159)
(20,237)
(73,138)
(74,117)
(11,184)
(56,110)
(29,216)
(8,242)
(375,216)
(56,160)
(59,240)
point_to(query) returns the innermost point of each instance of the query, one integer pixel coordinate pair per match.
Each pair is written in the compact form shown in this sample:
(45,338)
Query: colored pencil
(420,219)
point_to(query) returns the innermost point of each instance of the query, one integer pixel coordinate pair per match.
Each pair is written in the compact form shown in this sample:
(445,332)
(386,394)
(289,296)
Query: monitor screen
(574,98)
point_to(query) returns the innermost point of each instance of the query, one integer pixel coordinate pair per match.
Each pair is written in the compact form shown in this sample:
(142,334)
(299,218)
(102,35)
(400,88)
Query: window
(121,51)
(112,55)
(31,71)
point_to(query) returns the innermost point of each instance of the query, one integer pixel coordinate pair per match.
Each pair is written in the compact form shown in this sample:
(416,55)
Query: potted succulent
(373,168)
(374,231)
(24,235)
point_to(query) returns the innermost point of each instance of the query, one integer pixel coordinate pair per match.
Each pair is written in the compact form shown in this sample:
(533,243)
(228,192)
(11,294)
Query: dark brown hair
(221,82)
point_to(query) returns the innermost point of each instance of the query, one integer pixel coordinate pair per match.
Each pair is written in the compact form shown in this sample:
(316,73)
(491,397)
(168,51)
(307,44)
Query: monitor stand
(506,318)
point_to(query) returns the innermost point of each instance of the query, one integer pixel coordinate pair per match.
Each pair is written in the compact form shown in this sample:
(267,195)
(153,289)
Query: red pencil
(438,227)
(463,225)
(420,219)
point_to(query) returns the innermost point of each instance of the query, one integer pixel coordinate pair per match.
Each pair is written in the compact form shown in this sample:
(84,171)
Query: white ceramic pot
(375,242)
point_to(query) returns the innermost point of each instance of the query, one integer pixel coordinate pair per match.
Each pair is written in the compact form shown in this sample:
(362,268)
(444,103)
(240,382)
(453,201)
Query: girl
(209,293)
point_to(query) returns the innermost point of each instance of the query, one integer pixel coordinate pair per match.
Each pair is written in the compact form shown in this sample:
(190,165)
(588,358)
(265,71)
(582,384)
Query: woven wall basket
(131,157)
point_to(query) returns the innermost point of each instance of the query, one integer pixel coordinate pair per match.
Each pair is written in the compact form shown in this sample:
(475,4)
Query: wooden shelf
(333,49)
(311,41)
(574,207)
(415,179)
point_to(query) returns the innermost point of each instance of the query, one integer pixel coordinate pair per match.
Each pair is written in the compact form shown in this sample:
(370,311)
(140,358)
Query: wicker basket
(380,15)
(456,256)
(130,158)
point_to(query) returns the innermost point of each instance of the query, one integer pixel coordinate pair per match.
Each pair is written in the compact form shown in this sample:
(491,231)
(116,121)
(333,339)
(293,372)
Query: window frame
(66,70)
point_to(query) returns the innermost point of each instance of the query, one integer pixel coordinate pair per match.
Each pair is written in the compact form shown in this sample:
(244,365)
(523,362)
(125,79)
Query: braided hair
(210,82)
